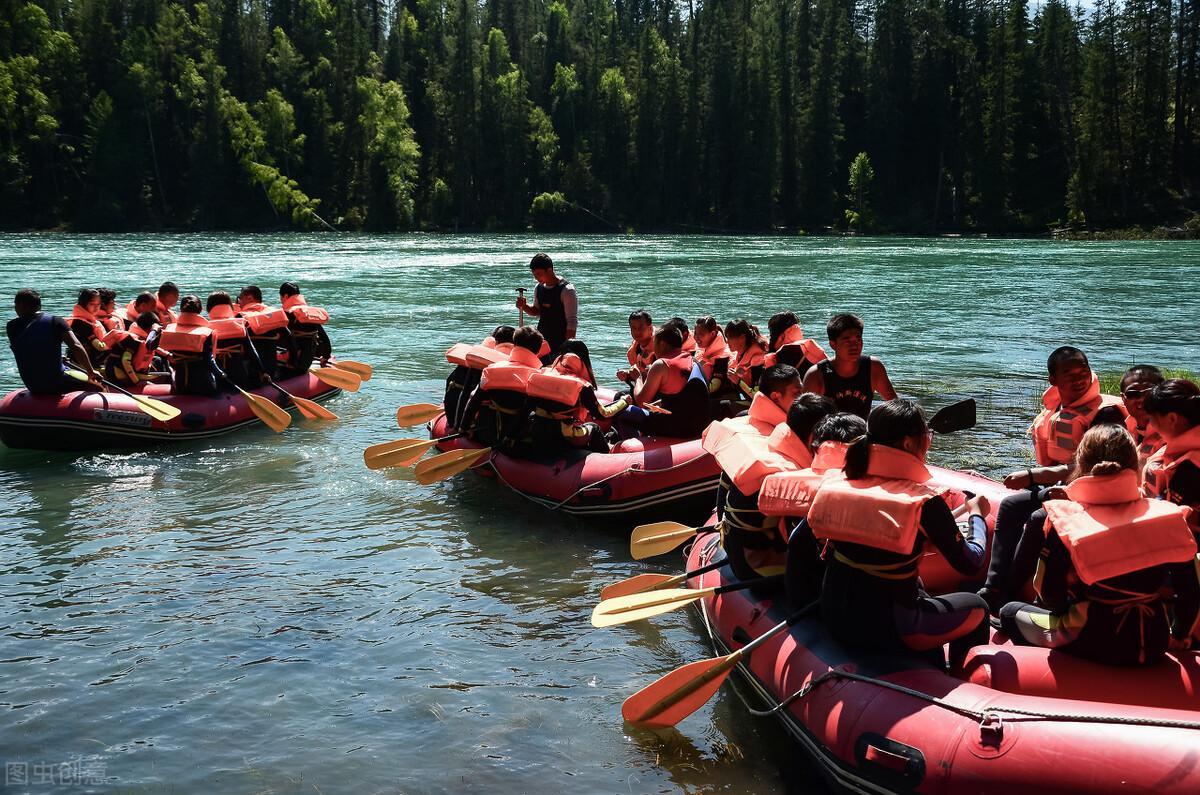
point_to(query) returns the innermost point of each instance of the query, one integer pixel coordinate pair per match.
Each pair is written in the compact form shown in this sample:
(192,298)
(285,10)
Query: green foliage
(858,214)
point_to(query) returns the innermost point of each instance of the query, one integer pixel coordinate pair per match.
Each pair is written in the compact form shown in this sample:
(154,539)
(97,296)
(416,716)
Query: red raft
(651,477)
(1019,718)
(95,420)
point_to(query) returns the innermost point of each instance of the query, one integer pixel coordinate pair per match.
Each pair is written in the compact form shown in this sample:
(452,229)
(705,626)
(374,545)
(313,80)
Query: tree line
(904,115)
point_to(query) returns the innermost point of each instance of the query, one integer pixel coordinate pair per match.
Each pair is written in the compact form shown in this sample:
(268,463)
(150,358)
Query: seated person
(131,356)
(563,398)
(1173,472)
(850,378)
(307,324)
(676,385)
(108,314)
(712,354)
(1112,562)
(87,328)
(463,378)
(689,344)
(1137,382)
(641,352)
(788,344)
(233,349)
(747,361)
(497,413)
(269,333)
(189,344)
(167,297)
(144,302)
(37,341)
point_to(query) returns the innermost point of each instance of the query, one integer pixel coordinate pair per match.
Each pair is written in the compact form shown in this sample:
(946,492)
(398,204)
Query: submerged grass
(1110,383)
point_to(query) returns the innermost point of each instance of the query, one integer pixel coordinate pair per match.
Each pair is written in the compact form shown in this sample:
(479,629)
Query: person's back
(268,328)
(189,340)
(232,347)
(498,409)
(37,348)
(307,325)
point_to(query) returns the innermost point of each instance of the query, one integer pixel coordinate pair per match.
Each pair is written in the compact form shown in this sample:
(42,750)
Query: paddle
(361,369)
(642,583)
(401,453)
(342,379)
(446,465)
(672,698)
(654,408)
(163,412)
(273,416)
(417,414)
(956,417)
(635,607)
(309,408)
(659,538)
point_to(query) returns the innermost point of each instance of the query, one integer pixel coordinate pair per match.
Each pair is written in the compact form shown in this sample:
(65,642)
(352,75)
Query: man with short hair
(37,339)
(555,305)
(849,378)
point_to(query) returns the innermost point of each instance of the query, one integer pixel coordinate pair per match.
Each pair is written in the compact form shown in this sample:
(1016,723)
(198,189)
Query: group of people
(1094,552)
(159,336)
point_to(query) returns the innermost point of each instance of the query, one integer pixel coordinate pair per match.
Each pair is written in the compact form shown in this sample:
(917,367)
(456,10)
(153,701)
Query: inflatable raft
(1017,719)
(101,420)
(642,479)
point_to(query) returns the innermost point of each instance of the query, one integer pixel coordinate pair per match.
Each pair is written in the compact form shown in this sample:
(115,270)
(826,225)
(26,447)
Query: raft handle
(991,730)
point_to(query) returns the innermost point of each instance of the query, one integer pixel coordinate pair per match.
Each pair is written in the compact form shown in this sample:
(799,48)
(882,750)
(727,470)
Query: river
(261,613)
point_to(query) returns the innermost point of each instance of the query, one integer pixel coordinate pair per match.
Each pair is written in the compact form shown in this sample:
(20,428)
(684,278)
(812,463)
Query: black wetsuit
(240,360)
(197,374)
(553,427)
(853,394)
(552,315)
(37,347)
(311,342)
(689,407)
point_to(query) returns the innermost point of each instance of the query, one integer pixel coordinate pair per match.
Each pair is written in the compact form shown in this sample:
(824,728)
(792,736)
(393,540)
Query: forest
(915,116)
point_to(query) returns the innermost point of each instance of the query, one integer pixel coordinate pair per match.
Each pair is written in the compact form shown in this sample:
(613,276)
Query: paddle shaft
(682,578)
(700,594)
(676,534)
(520,311)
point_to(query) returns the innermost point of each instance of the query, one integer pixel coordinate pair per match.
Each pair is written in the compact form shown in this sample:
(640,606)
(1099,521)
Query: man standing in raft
(37,339)
(850,379)
(555,305)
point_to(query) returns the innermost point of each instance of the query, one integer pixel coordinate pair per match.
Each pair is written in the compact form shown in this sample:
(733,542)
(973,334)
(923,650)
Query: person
(641,353)
(167,297)
(37,340)
(1071,405)
(749,352)
(555,304)
(1173,472)
(850,378)
(496,413)
(712,354)
(464,377)
(787,344)
(189,342)
(673,381)
(1112,562)
(877,514)
(143,302)
(107,314)
(269,333)
(233,349)
(87,328)
(131,355)
(307,325)
(778,388)
(565,408)
(689,344)
(1137,382)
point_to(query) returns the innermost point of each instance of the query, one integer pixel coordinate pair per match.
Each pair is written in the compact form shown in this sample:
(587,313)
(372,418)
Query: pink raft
(94,420)
(1017,719)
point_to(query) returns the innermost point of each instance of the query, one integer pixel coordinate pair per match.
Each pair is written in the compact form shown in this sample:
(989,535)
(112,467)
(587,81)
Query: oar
(163,412)
(417,414)
(309,408)
(660,538)
(635,607)
(400,453)
(360,369)
(654,408)
(272,415)
(642,583)
(683,691)
(342,379)
(446,465)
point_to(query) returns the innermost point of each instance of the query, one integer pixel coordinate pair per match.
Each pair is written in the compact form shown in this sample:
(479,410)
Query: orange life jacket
(511,374)
(679,368)
(112,321)
(762,418)
(638,358)
(226,329)
(1109,529)
(746,459)
(689,346)
(298,308)
(570,364)
(480,357)
(791,493)
(98,329)
(263,320)
(165,315)
(458,354)
(746,361)
(881,510)
(793,339)
(1148,439)
(186,335)
(1158,471)
(711,354)
(1058,430)
(549,384)
(142,357)
(784,441)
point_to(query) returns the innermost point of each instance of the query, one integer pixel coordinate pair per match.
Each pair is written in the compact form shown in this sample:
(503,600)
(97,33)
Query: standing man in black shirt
(555,304)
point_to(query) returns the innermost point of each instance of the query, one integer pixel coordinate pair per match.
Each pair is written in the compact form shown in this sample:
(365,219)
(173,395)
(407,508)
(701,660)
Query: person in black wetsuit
(36,340)
(555,305)
(849,378)
(462,380)
(871,596)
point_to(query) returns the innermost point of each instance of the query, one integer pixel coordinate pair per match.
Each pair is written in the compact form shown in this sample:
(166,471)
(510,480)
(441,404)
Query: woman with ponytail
(1112,561)
(1173,472)
(877,513)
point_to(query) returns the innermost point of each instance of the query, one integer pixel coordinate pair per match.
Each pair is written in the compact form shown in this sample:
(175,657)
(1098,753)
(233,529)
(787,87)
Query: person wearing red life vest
(108,314)
(189,344)
(712,353)
(307,324)
(748,351)
(565,408)
(131,353)
(232,346)
(143,302)
(497,412)
(1173,472)
(689,343)
(87,328)
(268,327)
(1110,563)
(850,378)
(877,514)
(167,297)
(1137,382)
(464,377)
(641,351)
(788,344)
(1071,405)
(672,381)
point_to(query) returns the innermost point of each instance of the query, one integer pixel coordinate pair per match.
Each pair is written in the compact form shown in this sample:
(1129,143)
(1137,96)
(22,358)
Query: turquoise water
(260,613)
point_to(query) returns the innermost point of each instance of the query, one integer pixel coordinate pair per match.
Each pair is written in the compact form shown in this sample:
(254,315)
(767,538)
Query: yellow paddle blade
(387,447)
(311,409)
(360,369)
(446,465)
(635,607)
(274,417)
(640,584)
(164,412)
(400,457)
(658,538)
(342,379)
(678,694)
(416,414)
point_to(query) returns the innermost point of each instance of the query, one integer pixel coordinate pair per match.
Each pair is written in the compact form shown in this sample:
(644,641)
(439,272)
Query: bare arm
(570,301)
(814,381)
(645,389)
(880,381)
(78,353)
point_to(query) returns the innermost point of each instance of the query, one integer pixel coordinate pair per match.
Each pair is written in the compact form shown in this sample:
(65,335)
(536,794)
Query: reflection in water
(260,612)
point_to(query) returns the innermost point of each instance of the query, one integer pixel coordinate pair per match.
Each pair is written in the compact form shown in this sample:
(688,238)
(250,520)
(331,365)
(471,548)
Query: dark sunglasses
(1137,394)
